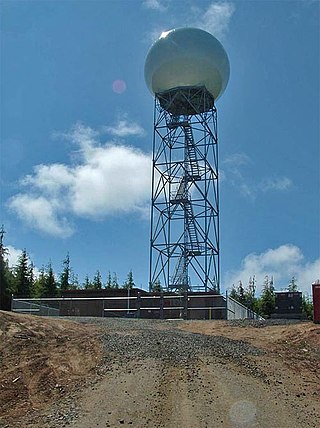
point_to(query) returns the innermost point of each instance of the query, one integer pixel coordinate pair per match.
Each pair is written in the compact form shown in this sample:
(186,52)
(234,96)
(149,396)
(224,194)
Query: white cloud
(104,179)
(310,273)
(282,263)
(246,190)
(280,183)
(155,5)
(114,179)
(42,212)
(13,255)
(50,178)
(237,159)
(235,173)
(215,19)
(124,128)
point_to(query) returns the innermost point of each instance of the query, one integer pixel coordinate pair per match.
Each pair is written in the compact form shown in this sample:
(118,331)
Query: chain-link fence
(237,311)
(35,307)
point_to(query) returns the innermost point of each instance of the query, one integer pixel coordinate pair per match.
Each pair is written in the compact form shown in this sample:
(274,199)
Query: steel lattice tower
(184,250)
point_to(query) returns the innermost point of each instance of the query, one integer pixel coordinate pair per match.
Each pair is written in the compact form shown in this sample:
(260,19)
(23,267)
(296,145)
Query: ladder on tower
(181,197)
(180,274)
(193,244)
(192,160)
(191,153)
(180,194)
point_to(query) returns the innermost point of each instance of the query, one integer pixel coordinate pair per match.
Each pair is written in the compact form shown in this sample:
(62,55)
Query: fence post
(138,304)
(227,306)
(161,305)
(185,304)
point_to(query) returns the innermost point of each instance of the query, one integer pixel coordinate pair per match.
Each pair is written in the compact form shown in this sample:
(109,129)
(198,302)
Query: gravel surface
(115,324)
(263,323)
(175,346)
(139,339)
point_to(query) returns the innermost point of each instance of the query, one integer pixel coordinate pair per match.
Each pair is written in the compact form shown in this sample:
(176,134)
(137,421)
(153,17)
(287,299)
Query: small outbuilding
(316,301)
(288,305)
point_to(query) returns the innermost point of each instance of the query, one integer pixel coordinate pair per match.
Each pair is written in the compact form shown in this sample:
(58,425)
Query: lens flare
(119,86)
(243,414)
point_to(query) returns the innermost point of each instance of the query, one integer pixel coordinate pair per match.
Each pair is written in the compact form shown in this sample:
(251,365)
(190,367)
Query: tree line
(265,304)
(21,280)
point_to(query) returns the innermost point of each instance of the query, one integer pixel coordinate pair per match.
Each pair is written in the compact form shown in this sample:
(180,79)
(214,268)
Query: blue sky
(76,134)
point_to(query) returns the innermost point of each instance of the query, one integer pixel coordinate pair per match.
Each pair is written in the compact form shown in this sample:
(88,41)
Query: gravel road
(156,375)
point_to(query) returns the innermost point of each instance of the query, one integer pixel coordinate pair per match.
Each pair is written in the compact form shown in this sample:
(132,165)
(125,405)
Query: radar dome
(187,57)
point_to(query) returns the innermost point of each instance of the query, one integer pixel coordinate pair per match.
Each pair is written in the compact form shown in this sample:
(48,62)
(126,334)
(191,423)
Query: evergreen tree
(267,301)
(23,274)
(50,289)
(250,294)
(307,306)
(156,286)
(97,283)
(74,282)
(45,285)
(114,283)
(31,277)
(239,294)
(87,283)
(65,274)
(129,283)
(3,254)
(109,281)
(293,286)
(233,293)
(6,275)
(39,285)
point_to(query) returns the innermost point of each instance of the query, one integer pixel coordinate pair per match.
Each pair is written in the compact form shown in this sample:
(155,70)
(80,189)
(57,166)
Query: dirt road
(146,373)
(205,394)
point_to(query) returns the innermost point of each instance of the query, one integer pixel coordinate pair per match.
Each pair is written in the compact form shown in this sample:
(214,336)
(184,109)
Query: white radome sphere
(186,57)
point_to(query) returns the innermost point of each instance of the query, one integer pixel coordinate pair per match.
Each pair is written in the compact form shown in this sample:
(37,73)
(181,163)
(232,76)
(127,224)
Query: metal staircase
(180,274)
(180,194)
(193,244)
(191,153)
(192,161)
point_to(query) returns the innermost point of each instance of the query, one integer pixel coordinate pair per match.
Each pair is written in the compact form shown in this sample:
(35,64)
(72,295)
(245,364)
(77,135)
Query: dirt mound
(41,360)
(273,335)
(306,339)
